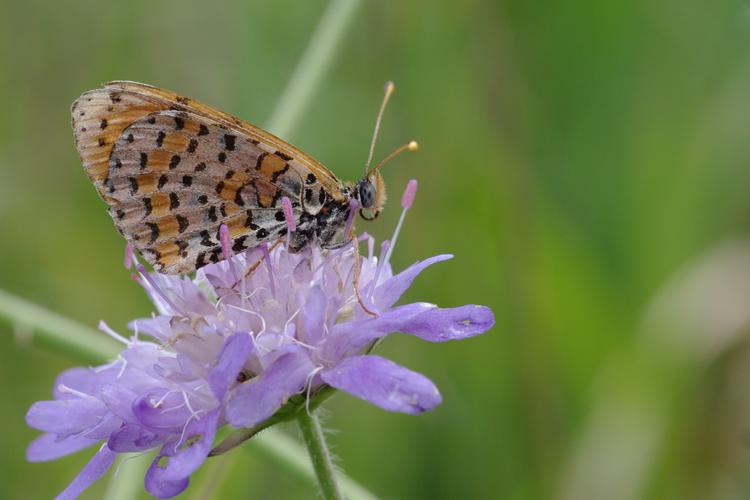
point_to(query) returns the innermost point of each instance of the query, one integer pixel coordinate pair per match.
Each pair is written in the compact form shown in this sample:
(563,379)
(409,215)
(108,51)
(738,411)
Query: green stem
(41,325)
(312,434)
(277,447)
(314,64)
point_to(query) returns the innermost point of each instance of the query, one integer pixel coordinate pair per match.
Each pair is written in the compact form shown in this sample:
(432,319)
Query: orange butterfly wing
(172,170)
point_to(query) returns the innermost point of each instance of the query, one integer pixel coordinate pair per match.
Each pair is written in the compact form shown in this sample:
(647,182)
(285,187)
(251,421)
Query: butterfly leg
(340,244)
(255,266)
(355,279)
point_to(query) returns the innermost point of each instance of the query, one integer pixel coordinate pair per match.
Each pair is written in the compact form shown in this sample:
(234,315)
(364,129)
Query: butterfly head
(370,193)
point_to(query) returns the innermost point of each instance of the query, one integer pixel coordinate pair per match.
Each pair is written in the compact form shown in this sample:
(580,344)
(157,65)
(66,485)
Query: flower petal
(441,325)
(132,438)
(387,293)
(384,383)
(232,358)
(351,337)
(170,471)
(79,379)
(160,488)
(314,315)
(66,416)
(96,468)
(424,320)
(49,447)
(161,409)
(258,399)
(119,400)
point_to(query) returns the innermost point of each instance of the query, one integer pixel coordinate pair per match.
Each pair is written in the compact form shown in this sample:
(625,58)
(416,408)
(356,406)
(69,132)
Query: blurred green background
(587,162)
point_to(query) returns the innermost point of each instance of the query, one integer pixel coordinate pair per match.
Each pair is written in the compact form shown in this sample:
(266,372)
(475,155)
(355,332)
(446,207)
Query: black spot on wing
(183,223)
(154,231)
(206,239)
(147,206)
(283,156)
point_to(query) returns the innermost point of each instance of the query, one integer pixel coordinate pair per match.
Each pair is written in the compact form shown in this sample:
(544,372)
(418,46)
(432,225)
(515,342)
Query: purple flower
(233,345)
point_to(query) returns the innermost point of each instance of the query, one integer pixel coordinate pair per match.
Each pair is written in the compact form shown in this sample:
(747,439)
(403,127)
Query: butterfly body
(173,171)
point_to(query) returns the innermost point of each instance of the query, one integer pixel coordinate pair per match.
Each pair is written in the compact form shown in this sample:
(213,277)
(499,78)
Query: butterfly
(173,171)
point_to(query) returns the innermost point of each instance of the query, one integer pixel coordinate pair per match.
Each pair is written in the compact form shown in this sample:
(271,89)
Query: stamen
(122,369)
(259,316)
(288,322)
(128,259)
(267,258)
(87,432)
(308,383)
(101,368)
(174,408)
(161,400)
(406,201)
(187,403)
(156,288)
(182,435)
(127,459)
(370,243)
(226,249)
(69,390)
(384,247)
(104,327)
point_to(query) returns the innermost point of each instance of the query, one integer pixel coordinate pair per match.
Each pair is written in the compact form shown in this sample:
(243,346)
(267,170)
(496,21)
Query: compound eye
(366,194)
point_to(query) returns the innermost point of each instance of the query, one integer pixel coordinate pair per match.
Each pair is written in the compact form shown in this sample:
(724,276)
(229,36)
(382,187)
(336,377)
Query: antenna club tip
(413,146)
(389,87)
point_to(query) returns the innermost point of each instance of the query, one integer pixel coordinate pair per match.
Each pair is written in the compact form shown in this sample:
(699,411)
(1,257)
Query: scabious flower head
(234,345)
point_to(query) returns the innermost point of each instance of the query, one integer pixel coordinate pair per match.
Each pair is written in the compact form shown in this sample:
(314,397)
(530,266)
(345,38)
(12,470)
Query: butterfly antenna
(410,146)
(389,88)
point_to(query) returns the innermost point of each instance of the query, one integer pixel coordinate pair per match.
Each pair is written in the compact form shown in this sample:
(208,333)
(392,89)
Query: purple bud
(291,224)
(409,193)
(128,259)
(226,242)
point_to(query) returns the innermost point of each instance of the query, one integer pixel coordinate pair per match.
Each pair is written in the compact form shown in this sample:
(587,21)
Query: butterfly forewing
(173,171)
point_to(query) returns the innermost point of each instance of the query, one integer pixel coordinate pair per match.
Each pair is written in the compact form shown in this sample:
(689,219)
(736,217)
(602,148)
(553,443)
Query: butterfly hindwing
(173,170)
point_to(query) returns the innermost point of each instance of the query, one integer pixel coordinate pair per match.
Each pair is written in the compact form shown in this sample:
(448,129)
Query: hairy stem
(312,434)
